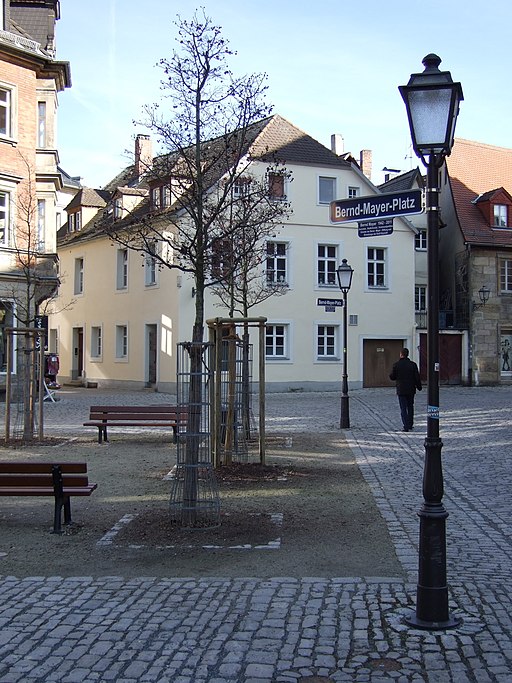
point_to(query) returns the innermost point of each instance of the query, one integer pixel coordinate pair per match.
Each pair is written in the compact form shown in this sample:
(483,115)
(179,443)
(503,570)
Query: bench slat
(141,417)
(32,480)
(41,467)
(167,410)
(48,491)
(123,423)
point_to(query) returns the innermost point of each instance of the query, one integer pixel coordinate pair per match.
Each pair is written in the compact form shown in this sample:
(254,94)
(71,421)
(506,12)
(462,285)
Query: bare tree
(34,289)
(34,280)
(206,124)
(253,220)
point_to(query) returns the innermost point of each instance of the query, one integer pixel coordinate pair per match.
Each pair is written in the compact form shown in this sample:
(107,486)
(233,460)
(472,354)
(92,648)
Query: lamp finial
(431,62)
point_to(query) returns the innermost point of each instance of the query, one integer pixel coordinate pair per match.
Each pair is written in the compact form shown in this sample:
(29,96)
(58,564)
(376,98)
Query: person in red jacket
(407,377)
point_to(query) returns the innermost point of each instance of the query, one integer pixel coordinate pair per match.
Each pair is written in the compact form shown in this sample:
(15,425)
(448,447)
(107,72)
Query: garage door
(378,358)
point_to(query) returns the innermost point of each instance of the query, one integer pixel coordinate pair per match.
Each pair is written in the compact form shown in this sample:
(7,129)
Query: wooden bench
(61,480)
(137,416)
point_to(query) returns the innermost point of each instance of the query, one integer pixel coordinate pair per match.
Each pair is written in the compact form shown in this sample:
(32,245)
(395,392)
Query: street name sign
(329,302)
(376,207)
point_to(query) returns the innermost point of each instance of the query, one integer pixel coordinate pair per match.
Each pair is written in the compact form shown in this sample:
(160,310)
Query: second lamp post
(345,272)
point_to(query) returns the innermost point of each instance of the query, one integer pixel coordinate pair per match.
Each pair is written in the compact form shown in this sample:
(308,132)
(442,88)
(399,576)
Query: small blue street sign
(329,302)
(374,228)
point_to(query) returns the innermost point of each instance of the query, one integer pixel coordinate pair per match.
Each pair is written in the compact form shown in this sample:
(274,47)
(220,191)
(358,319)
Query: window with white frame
(277,186)
(122,269)
(150,266)
(327,264)
(222,259)
(241,187)
(326,190)
(277,263)
(327,342)
(506,275)
(75,221)
(6,112)
(276,341)
(96,341)
(420,240)
(4,217)
(160,196)
(121,341)
(41,223)
(79,276)
(420,298)
(500,216)
(353,192)
(376,265)
(41,124)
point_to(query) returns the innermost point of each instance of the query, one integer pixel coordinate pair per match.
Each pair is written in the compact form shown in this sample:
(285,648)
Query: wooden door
(378,358)
(450,358)
(151,351)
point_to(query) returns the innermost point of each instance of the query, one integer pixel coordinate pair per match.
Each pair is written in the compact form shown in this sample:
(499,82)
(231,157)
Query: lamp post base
(415,622)
(345,415)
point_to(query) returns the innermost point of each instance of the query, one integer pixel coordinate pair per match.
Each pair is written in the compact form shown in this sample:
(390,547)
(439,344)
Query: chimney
(365,162)
(143,154)
(337,144)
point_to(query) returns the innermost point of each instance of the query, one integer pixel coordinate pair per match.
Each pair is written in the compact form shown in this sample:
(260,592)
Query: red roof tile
(476,168)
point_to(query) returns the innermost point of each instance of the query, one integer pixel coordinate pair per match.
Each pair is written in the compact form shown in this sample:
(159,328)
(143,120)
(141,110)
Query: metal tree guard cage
(194,501)
(231,390)
(29,384)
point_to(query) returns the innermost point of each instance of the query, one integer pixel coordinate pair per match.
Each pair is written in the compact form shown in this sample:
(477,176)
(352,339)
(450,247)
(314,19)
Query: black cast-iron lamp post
(432,101)
(345,273)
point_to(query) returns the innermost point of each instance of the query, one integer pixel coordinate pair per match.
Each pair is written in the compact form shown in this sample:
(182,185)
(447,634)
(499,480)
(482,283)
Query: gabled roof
(280,138)
(404,181)
(273,139)
(475,169)
(498,193)
(89,197)
(133,191)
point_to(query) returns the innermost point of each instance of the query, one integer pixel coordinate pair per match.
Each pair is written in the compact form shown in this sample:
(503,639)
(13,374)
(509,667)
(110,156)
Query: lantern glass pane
(345,277)
(430,117)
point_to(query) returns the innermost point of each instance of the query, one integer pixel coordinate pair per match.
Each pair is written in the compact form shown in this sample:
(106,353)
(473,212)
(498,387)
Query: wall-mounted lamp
(483,293)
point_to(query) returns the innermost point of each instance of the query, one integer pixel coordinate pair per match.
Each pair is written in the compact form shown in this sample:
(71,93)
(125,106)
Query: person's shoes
(405,429)
(411,428)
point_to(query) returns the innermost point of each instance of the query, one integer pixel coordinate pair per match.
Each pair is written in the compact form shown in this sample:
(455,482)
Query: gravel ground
(311,514)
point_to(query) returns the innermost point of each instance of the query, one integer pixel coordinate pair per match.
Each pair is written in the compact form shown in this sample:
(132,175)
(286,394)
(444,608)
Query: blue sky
(333,66)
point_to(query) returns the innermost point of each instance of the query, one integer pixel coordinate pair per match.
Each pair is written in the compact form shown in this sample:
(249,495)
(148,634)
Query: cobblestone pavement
(312,630)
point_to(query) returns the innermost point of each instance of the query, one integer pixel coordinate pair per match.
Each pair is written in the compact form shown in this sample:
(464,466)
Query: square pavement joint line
(107,541)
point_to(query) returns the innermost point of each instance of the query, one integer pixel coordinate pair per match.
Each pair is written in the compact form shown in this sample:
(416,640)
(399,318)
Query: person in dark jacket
(407,377)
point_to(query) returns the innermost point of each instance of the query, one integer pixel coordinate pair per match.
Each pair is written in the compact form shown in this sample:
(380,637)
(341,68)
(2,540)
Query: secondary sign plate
(375,228)
(377,207)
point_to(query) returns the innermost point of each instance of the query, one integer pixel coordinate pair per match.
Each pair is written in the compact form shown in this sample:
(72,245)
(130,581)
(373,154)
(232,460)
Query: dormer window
(500,216)
(118,209)
(75,221)
(496,207)
(160,197)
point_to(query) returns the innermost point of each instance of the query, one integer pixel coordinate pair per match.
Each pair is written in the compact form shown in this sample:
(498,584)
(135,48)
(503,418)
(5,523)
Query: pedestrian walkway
(309,630)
